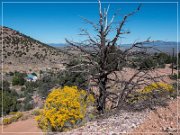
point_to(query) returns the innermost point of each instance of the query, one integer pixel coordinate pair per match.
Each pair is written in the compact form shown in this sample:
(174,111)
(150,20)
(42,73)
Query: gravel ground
(122,122)
(163,120)
(160,121)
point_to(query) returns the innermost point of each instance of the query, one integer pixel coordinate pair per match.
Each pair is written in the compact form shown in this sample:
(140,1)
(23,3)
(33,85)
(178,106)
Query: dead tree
(102,56)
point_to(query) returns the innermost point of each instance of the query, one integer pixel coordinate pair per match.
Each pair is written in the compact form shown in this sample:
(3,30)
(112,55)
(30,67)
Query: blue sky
(52,23)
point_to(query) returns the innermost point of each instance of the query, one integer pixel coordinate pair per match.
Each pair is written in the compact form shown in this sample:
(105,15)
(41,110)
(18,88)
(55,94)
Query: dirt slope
(24,127)
(20,49)
(163,120)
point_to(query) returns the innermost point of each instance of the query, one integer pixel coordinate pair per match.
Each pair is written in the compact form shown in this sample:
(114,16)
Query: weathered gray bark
(105,56)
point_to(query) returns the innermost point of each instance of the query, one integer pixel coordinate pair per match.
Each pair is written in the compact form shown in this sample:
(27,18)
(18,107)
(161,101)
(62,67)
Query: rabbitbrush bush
(148,92)
(64,108)
(159,86)
(15,117)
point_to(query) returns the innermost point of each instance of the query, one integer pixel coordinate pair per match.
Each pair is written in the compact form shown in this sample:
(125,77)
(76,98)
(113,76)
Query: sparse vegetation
(151,95)
(73,79)
(15,117)
(28,103)
(175,76)
(19,48)
(18,78)
(9,101)
(36,112)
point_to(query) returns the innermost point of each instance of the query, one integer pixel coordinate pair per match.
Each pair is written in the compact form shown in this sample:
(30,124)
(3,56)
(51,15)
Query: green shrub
(11,73)
(6,85)
(177,90)
(142,63)
(163,58)
(28,103)
(36,112)
(73,79)
(34,74)
(18,79)
(175,76)
(9,102)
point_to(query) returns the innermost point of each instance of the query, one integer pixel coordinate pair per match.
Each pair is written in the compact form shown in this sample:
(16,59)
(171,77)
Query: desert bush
(18,79)
(44,88)
(175,76)
(11,73)
(64,108)
(30,87)
(34,74)
(159,86)
(12,113)
(6,121)
(45,84)
(156,60)
(9,98)
(73,62)
(177,89)
(73,79)
(6,85)
(151,94)
(19,115)
(28,103)
(9,102)
(163,58)
(36,112)
(14,118)
(147,63)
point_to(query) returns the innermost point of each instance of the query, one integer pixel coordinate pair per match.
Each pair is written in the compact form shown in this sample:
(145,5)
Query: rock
(133,125)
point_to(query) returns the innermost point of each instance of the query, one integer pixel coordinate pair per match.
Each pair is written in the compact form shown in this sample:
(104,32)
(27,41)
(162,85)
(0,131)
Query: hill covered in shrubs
(18,48)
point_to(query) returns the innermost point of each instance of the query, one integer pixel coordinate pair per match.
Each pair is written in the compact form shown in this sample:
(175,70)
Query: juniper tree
(102,56)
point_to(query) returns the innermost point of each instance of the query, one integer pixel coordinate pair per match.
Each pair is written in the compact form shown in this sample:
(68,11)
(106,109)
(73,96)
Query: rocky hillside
(21,49)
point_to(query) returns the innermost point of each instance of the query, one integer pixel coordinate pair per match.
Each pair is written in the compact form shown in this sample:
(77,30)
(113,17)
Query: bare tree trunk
(103,93)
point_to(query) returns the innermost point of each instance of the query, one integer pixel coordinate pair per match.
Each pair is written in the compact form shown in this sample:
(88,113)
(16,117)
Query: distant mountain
(22,49)
(57,45)
(164,46)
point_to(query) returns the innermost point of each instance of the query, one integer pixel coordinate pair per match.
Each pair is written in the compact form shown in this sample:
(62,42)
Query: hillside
(19,49)
(161,121)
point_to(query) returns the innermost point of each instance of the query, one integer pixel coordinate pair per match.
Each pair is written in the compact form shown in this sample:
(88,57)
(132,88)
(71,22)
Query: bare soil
(162,120)
(23,127)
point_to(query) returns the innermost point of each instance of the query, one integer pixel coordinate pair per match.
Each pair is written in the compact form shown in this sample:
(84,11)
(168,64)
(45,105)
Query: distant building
(31,77)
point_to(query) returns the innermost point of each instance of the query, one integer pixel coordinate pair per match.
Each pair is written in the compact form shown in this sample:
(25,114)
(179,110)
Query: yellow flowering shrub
(6,121)
(159,86)
(15,117)
(12,113)
(64,107)
(148,91)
